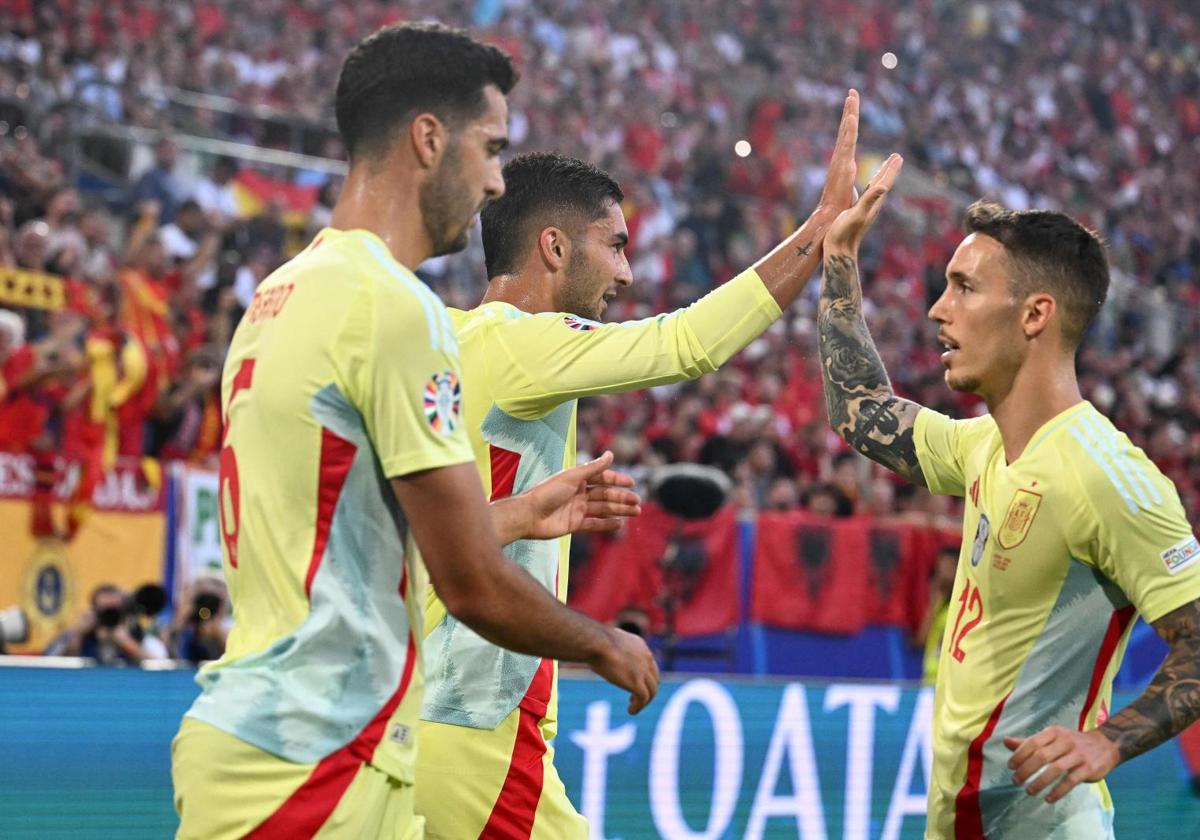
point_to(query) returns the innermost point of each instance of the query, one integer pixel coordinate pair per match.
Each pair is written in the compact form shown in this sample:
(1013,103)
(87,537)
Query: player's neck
(527,293)
(1037,394)
(389,210)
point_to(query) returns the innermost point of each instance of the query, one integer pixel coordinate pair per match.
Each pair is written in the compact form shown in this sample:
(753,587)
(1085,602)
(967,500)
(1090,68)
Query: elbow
(464,603)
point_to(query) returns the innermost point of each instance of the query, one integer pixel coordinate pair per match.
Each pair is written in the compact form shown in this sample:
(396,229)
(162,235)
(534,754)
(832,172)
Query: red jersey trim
(337,456)
(968,819)
(1117,625)
(303,814)
(504,463)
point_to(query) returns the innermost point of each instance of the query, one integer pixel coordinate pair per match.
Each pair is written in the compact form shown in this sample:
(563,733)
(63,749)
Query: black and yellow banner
(32,289)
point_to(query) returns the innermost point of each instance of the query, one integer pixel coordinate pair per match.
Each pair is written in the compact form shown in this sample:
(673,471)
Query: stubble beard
(577,281)
(446,207)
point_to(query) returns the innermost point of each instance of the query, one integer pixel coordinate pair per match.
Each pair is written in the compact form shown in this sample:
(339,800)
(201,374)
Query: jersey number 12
(971,601)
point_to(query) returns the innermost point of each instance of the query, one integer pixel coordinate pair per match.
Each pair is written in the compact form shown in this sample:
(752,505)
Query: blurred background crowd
(132,138)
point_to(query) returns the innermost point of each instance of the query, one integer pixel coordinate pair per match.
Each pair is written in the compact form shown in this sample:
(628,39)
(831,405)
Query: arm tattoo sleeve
(1172,700)
(862,407)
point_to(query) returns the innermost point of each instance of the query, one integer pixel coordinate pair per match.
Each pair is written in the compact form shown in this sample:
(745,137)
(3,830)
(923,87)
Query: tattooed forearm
(804,250)
(1171,702)
(862,407)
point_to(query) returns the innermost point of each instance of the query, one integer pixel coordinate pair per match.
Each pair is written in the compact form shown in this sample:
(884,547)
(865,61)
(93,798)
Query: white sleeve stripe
(1130,468)
(437,327)
(1104,465)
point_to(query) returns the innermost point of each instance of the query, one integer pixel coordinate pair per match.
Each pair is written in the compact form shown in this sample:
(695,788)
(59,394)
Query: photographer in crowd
(109,633)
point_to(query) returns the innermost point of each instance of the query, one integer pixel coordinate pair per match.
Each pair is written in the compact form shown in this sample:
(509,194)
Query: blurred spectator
(187,416)
(932,629)
(827,500)
(184,238)
(158,183)
(108,632)
(32,244)
(202,623)
(214,193)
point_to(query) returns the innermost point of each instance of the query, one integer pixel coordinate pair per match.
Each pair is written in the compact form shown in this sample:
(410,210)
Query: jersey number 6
(229,491)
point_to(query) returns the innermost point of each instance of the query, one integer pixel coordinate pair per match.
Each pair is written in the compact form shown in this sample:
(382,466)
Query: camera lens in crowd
(110,617)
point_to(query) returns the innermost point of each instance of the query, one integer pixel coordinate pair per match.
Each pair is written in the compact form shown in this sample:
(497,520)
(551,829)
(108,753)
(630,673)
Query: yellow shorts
(226,788)
(497,784)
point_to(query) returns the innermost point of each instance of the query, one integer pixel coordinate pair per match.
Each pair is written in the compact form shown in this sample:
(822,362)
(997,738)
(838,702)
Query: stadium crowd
(1093,109)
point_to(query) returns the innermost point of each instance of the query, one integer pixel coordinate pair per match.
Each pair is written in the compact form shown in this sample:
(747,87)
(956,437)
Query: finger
(615,478)
(1039,758)
(1028,747)
(589,471)
(1012,743)
(638,700)
(874,197)
(606,493)
(847,137)
(1053,772)
(608,510)
(880,171)
(613,507)
(593,525)
(1068,784)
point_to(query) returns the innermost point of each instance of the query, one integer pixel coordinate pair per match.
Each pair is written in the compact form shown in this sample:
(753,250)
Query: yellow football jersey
(1062,550)
(343,373)
(522,376)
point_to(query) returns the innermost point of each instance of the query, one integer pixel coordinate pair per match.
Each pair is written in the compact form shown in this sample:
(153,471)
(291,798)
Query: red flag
(810,573)
(658,557)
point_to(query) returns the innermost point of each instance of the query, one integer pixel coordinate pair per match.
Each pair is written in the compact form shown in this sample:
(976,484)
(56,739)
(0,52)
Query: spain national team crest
(580,324)
(443,401)
(1021,511)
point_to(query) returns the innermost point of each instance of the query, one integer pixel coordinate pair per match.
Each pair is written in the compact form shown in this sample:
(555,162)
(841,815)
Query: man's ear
(1037,313)
(554,247)
(429,139)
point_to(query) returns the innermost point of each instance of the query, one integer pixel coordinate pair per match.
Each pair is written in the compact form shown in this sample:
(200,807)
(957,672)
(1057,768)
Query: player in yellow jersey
(554,246)
(1069,531)
(344,438)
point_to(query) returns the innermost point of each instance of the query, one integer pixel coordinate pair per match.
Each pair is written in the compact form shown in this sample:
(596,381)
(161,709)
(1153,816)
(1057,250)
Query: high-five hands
(852,224)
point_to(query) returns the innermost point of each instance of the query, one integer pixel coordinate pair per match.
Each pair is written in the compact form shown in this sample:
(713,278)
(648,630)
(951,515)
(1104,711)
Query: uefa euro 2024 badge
(443,401)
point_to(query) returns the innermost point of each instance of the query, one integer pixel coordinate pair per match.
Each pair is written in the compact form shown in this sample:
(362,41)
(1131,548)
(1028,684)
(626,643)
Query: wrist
(603,643)
(1110,741)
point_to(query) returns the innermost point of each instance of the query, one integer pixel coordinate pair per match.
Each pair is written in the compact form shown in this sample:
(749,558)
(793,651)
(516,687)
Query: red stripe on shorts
(1112,637)
(311,804)
(504,471)
(968,819)
(337,455)
(512,815)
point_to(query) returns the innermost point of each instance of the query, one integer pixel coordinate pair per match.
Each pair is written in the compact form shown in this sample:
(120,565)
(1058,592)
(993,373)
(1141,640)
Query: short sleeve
(942,444)
(408,384)
(1144,541)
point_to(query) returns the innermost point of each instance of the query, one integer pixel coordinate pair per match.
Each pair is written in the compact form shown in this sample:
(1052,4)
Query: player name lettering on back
(267,303)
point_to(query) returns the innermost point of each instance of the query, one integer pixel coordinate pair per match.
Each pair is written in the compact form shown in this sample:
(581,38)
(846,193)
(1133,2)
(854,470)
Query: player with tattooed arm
(1069,531)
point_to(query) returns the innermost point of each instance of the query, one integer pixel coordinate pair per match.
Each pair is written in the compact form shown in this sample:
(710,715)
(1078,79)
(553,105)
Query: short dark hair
(541,188)
(1050,252)
(410,68)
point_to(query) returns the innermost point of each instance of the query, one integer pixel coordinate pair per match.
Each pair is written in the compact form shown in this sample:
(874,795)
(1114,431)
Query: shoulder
(1111,471)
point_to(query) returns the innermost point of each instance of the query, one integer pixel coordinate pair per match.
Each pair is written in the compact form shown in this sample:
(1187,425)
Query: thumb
(593,468)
